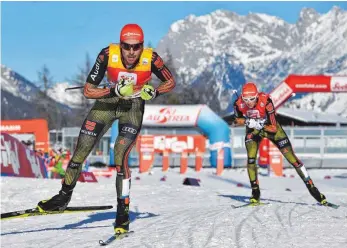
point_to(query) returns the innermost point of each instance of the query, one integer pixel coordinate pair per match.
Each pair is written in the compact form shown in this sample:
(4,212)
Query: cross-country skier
(129,66)
(256,110)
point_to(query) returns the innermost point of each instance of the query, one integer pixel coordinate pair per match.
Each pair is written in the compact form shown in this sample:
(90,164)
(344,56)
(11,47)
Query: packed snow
(170,214)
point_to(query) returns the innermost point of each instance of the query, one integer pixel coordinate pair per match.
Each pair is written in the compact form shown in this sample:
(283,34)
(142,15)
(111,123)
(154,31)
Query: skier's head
(249,94)
(131,43)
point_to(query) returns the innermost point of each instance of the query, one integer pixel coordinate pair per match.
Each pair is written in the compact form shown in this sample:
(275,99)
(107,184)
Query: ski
(250,204)
(36,212)
(329,204)
(115,237)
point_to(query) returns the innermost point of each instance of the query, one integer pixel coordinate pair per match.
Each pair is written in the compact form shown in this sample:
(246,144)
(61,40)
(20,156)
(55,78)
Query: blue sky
(59,34)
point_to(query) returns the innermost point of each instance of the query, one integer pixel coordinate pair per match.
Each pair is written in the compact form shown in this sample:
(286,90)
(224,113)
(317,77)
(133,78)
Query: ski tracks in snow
(187,217)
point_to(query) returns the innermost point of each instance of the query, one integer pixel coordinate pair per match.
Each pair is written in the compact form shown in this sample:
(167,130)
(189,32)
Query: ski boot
(315,192)
(255,198)
(122,218)
(58,202)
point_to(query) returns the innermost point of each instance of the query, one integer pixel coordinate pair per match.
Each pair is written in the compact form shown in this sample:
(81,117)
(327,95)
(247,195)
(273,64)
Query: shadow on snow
(90,219)
(245,199)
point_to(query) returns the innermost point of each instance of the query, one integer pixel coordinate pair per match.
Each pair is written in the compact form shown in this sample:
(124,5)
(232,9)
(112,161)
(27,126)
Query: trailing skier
(256,110)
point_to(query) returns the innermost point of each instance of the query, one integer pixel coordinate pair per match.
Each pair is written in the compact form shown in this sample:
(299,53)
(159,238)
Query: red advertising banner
(306,84)
(19,161)
(87,177)
(309,83)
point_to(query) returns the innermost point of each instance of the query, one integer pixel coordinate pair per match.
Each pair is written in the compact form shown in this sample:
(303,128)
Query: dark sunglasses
(135,47)
(249,99)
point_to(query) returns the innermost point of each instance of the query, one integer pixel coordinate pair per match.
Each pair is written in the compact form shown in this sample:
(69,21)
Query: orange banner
(38,127)
(145,148)
(264,152)
(148,145)
(276,160)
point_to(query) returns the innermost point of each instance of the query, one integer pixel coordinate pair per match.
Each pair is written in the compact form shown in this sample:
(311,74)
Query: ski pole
(81,87)
(235,92)
(74,88)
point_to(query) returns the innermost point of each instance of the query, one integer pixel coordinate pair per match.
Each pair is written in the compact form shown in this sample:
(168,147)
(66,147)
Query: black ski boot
(58,202)
(122,218)
(255,198)
(315,192)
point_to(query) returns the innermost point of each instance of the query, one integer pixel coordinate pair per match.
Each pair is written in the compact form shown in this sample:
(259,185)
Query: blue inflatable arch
(211,125)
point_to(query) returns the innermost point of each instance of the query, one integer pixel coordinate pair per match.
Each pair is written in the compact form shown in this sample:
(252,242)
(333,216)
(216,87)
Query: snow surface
(170,214)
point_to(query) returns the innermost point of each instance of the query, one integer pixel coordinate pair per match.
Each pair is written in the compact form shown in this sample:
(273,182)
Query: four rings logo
(73,165)
(129,130)
(283,142)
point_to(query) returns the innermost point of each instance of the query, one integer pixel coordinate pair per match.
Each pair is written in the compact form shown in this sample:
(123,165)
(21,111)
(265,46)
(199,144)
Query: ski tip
(332,205)
(115,237)
(102,243)
(250,204)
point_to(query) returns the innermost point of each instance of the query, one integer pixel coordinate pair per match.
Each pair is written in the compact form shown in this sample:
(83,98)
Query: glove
(261,123)
(148,92)
(251,123)
(125,87)
(256,124)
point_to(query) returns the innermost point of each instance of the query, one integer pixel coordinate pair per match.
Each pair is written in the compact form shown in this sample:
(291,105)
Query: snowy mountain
(20,100)
(18,86)
(72,98)
(219,52)
(266,48)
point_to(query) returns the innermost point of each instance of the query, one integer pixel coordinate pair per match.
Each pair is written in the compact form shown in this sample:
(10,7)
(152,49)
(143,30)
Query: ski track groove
(190,225)
(293,209)
(254,234)
(238,228)
(207,216)
(175,225)
(190,238)
(280,220)
(261,222)
(212,230)
(290,215)
(258,220)
(147,246)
